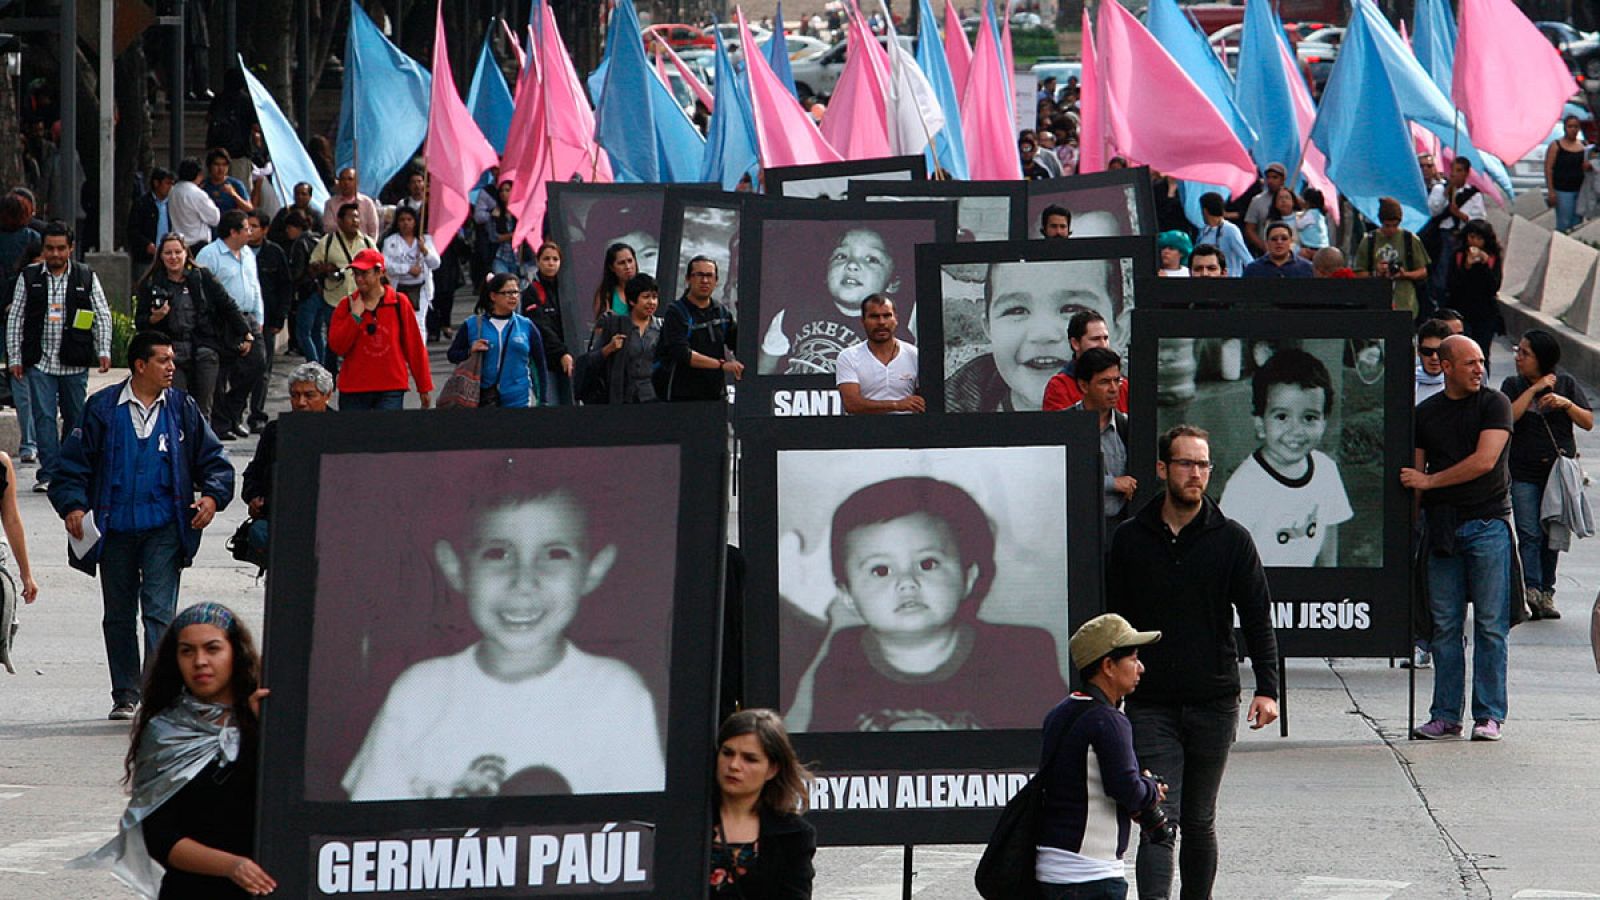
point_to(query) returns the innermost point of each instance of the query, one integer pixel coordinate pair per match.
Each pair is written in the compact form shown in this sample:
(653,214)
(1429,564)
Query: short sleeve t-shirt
(1447,432)
(895,381)
(1377,248)
(1533,445)
(1288,518)
(807,338)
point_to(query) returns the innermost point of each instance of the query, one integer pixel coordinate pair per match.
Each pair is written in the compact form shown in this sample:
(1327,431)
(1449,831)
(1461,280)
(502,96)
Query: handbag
(464,388)
(1006,870)
(249,542)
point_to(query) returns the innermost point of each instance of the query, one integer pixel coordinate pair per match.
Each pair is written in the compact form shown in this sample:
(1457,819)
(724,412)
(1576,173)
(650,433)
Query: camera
(334,278)
(1154,823)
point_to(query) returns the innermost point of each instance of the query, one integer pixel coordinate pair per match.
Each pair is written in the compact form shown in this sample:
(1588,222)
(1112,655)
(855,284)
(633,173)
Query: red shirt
(378,361)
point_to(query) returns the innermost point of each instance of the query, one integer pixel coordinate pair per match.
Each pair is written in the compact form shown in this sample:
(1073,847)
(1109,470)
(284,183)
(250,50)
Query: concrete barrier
(1580,353)
(1499,218)
(1529,204)
(1588,232)
(116,278)
(1525,247)
(1546,219)
(10,432)
(1584,313)
(1562,270)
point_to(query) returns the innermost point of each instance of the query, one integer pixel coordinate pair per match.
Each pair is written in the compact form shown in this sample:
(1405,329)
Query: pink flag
(568,115)
(785,132)
(956,50)
(1313,165)
(526,161)
(855,123)
(986,114)
(1091,107)
(1143,87)
(456,153)
(701,92)
(1508,114)
(516,45)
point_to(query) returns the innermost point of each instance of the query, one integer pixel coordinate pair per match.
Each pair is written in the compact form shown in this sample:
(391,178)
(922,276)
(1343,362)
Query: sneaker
(1485,730)
(40,487)
(1439,729)
(28,457)
(1420,659)
(1547,605)
(1535,607)
(123,712)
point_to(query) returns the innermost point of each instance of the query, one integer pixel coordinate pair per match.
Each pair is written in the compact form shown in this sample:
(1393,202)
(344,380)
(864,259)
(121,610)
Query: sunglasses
(1428,351)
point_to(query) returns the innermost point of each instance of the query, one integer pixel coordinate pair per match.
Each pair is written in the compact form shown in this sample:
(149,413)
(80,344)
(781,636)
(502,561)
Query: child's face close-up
(858,267)
(905,575)
(1292,424)
(524,569)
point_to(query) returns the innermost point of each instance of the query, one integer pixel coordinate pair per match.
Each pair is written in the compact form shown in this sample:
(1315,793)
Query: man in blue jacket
(138,456)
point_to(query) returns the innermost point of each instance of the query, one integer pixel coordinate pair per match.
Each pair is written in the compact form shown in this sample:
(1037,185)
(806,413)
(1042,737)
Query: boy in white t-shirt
(522,711)
(1288,493)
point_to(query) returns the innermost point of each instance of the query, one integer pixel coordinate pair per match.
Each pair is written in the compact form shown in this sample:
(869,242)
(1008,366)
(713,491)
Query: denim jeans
(1187,744)
(1538,560)
(1479,573)
(1102,889)
(311,329)
(349,400)
(1566,210)
(50,394)
(139,572)
(24,400)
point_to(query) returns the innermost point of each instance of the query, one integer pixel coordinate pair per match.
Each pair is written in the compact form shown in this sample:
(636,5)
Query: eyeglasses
(507,292)
(1432,351)
(1198,465)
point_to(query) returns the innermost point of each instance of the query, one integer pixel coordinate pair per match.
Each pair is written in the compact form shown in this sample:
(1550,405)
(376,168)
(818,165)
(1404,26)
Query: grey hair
(314,373)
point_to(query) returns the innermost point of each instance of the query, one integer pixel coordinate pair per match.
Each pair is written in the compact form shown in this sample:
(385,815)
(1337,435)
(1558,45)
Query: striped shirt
(55,314)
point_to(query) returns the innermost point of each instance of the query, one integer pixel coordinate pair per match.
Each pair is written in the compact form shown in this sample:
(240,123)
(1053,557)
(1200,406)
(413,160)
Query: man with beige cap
(1092,783)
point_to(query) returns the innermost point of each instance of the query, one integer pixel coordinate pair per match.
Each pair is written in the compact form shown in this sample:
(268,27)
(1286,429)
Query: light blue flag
(731,150)
(1263,91)
(383,114)
(778,54)
(1176,32)
(680,148)
(1364,135)
(291,164)
(625,119)
(949,148)
(1420,99)
(488,97)
(1433,40)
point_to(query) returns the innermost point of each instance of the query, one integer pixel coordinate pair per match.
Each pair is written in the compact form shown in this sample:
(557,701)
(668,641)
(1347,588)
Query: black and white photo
(985,210)
(1103,204)
(831,181)
(585,219)
(700,222)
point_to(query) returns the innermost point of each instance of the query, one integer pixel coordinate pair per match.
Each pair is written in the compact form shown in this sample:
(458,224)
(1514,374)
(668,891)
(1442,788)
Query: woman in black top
(1564,166)
(761,847)
(188,304)
(1545,404)
(1475,281)
(192,765)
(542,305)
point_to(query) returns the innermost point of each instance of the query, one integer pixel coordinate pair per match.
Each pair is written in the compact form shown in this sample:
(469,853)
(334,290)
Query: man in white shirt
(1454,204)
(879,375)
(190,209)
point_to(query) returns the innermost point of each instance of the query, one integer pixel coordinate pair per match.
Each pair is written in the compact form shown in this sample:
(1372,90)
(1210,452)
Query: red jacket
(378,361)
(1062,392)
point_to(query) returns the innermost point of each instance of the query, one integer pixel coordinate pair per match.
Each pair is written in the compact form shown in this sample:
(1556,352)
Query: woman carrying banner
(761,847)
(192,766)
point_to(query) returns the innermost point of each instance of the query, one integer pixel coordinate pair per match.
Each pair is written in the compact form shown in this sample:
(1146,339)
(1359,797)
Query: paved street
(1344,808)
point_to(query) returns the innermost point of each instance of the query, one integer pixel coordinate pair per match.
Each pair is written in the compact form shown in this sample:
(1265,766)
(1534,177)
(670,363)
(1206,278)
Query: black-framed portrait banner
(1118,203)
(913,584)
(985,210)
(805,268)
(1271,293)
(831,181)
(585,219)
(698,221)
(992,317)
(429,649)
(1309,414)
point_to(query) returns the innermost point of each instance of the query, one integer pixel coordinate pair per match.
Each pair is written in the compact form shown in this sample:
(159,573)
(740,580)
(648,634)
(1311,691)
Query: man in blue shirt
(227,192)
(233,262)
(1280,260)
(1223,235)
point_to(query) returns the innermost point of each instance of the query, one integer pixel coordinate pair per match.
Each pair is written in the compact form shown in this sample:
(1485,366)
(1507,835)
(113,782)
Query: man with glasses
(1181,567)
(1280,260)
(698,339)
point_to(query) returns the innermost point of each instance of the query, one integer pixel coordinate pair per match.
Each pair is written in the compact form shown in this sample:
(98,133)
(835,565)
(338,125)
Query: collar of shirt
(142,416)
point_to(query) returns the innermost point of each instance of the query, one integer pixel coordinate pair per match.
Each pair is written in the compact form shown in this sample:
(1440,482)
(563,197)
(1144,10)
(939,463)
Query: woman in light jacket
(513,373)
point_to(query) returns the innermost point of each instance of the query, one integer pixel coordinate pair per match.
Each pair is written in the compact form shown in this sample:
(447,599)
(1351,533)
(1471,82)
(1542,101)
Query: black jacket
(277,283)
(783,869)
(218,323)
(258,475)
(688,329)
(1187,587)
(142,220)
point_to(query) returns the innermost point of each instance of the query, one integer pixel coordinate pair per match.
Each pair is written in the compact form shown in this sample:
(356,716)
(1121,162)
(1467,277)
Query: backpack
(1006,870)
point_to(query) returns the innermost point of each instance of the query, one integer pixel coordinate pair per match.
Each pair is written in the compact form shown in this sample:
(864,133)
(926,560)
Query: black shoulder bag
(1006,870)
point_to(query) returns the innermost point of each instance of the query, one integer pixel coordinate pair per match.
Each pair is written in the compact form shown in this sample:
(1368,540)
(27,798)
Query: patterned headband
(204,614)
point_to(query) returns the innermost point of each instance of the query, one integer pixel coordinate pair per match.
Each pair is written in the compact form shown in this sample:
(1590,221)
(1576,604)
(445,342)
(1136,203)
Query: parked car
(1057,68)
(679,37)
(730,32)
(816,75)
(1581,51)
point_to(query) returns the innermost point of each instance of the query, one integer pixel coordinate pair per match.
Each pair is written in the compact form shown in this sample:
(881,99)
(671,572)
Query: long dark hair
(394,226)
(609,283)
(164,683)
(785,792)
(1481,228)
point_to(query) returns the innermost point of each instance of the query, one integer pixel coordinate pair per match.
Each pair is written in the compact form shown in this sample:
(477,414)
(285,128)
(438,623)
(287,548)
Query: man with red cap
(377,340)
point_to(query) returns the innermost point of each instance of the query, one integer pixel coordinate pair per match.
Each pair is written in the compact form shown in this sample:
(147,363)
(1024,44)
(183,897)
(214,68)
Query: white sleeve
(1337,501)
(845,368)
(380,768)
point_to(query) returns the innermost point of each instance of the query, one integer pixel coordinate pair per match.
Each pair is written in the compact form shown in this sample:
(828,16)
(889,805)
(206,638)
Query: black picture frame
(804,230)
(1269,293)
(301,840)
(833,179)
(693,221)
(971,224)
(954,330)
(1183,369)
(791,481)
(586,218)
(1117,203)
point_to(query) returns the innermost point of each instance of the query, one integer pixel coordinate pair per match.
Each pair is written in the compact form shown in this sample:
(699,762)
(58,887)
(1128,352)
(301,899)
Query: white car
(815,76)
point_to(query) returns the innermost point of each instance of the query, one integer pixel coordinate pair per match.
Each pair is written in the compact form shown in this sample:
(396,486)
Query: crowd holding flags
(1155,95)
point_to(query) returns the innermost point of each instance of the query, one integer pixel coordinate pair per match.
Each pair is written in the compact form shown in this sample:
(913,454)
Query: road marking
(27,857)
(1326,888)
(1537,894)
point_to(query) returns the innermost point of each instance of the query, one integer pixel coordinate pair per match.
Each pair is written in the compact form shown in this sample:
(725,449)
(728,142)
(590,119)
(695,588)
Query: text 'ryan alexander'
(566,859)
(923,790)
